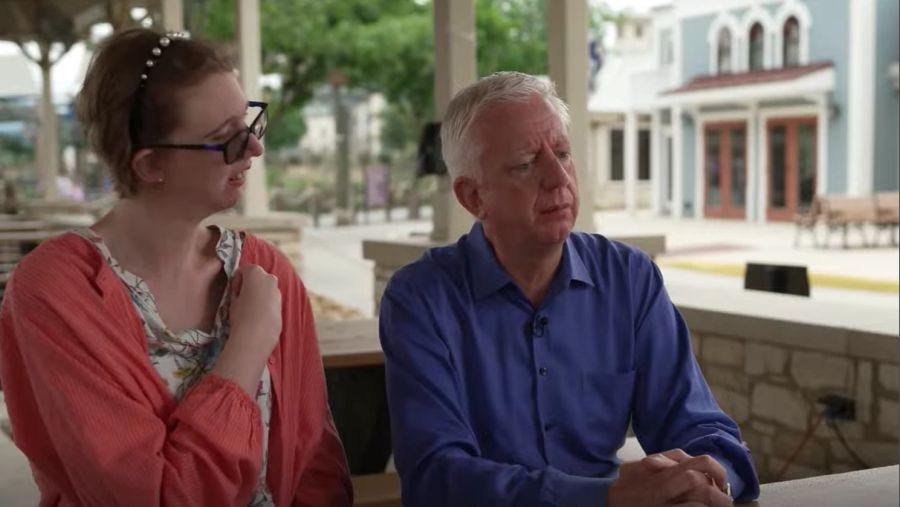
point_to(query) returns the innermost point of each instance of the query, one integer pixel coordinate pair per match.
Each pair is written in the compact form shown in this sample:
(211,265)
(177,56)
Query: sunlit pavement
(696,251)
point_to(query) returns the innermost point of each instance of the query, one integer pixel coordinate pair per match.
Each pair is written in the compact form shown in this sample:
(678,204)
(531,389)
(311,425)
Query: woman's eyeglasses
(233,149)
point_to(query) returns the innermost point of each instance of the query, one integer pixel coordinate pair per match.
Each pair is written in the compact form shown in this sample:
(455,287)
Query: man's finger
(677,455)
(656,462)
(684,485)
(706,495)
(707,465)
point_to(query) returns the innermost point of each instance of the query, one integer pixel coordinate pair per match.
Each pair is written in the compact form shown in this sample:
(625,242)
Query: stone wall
(769,382)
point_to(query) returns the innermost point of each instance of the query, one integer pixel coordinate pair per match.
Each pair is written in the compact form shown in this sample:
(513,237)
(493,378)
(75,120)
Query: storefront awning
(748,87)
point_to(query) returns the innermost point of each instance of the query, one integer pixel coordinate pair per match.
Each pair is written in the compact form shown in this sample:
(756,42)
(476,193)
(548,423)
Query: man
(517,357)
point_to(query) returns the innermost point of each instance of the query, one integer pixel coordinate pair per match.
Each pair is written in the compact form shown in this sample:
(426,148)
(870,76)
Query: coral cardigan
(98,425)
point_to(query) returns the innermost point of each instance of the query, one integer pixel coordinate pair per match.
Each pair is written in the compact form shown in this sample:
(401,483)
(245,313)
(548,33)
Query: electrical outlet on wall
(838,407)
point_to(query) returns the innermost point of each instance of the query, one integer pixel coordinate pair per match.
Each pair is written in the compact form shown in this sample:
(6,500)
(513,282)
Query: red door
(725,170)
(791,166)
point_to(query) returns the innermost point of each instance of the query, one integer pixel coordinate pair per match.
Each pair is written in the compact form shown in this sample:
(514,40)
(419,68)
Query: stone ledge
(400,252)
(846,329)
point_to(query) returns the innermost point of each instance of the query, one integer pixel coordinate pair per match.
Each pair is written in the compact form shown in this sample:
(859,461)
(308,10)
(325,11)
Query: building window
(644,155)
(757,45)
(791,56)
(616,154)
(665,47)
(724,63)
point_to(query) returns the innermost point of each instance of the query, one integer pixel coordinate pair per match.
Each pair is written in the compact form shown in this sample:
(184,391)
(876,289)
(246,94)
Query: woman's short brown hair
(118,115)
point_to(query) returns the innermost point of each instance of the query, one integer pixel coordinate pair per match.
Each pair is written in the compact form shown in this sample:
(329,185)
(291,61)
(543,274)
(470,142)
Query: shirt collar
(485,272)
(487,276)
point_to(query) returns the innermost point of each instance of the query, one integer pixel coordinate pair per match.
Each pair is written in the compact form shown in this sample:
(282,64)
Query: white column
(699,165)
(753,166)
(454,69)
(603,158)
(677,163)
(762,186)
(567,42)
(631,156)
(656,151)
(823,109)
(48,135)
(860,99)
(173,14)
(256,199)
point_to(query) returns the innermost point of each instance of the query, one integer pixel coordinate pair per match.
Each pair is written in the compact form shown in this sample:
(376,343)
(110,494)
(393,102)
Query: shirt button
(542,371)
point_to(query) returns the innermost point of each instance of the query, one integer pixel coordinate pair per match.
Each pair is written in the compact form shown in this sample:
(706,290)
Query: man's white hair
(460,151)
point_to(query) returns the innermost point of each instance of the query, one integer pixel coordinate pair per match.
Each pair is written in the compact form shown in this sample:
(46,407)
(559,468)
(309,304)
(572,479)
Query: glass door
(792,166)
(725,170)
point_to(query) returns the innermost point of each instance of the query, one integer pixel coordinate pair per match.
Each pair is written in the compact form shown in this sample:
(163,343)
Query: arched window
(757,46)
(791,49)
(724,64)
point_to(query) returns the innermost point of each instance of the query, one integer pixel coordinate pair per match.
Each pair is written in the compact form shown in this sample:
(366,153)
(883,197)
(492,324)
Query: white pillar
(677,163)
(173,14)
(454,69)
(601,176)
(656,151)
(699,165)
(256,199)
(762,181)
(567,45)
(48,135)
(753,166)
(861,102)
(631,159)
(823,110)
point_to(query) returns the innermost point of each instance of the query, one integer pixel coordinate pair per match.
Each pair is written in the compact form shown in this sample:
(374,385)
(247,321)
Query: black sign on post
(430,160)
(777,278)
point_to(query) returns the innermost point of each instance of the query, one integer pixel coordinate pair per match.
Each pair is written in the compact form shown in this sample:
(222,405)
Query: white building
(366,123)
(747,109)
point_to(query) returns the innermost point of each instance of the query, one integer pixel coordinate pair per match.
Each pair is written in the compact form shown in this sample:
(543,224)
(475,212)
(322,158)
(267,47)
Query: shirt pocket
(606,398)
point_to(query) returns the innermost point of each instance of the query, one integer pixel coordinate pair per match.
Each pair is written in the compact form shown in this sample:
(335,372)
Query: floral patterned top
(182,359)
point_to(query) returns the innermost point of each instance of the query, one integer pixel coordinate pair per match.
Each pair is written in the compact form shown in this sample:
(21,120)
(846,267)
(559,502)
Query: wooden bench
(887,205)
(376,490)
(807,221)
(842,212)
(349,343)
(17,238)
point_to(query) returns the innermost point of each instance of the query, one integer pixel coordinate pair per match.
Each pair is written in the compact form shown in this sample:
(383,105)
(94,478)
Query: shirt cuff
(739,490)
(576,491)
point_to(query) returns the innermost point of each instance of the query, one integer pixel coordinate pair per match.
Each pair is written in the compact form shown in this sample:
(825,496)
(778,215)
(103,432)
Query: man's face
(527,187)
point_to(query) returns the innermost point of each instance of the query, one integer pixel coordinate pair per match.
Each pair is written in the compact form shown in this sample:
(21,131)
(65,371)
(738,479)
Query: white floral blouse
(182,359)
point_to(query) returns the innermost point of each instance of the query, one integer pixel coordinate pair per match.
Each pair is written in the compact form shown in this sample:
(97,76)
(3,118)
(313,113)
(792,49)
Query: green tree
(380,45)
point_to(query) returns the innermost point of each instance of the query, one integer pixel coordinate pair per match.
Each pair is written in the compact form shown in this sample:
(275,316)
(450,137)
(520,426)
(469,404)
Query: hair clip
(164,42)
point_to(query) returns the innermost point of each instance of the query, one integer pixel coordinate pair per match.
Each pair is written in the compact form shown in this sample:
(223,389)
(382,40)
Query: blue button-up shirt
(495,402)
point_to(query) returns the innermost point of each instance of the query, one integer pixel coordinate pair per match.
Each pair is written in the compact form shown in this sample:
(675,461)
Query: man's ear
(469,195)
(145,171)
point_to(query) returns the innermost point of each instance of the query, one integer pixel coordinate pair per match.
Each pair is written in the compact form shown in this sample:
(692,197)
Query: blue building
(747,109)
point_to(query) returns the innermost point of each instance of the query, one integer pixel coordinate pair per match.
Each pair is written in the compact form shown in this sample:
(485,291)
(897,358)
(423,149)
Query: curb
(815,279)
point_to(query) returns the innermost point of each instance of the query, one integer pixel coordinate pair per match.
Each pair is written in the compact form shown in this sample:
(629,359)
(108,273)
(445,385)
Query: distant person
(10,198)
(517,357)
(150,360)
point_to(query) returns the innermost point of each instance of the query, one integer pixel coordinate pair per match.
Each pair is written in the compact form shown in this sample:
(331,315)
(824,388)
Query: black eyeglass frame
(223,147)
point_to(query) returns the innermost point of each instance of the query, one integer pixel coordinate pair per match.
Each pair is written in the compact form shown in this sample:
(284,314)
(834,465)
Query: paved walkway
(707,244)
(707,253)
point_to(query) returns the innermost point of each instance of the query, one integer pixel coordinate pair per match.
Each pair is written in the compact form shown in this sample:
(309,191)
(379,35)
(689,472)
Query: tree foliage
(379,45)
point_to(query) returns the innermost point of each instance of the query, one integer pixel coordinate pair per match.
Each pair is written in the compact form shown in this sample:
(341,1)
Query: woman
(150,360)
